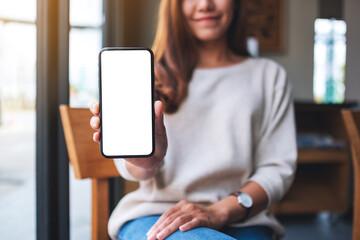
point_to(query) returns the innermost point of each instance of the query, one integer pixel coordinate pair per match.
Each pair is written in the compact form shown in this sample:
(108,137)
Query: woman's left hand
(185,216)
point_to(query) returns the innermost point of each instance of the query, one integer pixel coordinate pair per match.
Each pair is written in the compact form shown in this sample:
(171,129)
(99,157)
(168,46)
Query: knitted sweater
(236,125)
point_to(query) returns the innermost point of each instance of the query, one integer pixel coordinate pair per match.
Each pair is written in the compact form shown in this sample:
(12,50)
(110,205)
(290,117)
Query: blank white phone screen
(126,103)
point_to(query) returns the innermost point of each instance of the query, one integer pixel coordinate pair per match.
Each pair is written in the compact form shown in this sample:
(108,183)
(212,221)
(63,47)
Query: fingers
(158,109)
(95,108)
(159,120)
(168,225)
(159,123)
(195,222)
(95,123)
(160,131)
(181,215)
(96,137)
(173,226)
(162,219)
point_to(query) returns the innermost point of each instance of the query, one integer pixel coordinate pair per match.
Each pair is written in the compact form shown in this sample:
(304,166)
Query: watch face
(245,200)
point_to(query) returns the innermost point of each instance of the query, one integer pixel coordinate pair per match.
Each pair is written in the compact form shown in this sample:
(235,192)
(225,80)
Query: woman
(225,147)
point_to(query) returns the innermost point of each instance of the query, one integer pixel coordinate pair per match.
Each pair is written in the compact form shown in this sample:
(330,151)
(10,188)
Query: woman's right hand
(140,168)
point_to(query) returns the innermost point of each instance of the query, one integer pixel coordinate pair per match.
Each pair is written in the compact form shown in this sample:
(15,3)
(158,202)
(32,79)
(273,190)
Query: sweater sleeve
(120,164)
(275,152)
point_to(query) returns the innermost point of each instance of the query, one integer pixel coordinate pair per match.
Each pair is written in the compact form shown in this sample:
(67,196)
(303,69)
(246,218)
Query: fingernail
(151,230)
(151,237)
(160,235)
(157,110)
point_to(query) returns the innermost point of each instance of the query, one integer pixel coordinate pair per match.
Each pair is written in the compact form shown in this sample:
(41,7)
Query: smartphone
(126,86)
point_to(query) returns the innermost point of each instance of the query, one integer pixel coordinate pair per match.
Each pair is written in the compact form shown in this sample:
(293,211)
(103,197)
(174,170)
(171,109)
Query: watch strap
(247,210)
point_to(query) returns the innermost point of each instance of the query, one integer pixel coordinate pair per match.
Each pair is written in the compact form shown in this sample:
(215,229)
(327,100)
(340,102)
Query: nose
(206,5)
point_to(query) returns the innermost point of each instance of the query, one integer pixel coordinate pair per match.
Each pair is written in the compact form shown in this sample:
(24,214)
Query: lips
(207,18)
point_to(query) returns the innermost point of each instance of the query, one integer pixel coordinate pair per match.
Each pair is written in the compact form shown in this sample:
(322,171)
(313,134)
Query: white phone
(126,85)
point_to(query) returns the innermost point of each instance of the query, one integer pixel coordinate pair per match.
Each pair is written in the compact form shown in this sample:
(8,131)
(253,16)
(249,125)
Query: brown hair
(175,51)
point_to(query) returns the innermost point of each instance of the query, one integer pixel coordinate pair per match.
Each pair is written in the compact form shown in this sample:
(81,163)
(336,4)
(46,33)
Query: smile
(207,19)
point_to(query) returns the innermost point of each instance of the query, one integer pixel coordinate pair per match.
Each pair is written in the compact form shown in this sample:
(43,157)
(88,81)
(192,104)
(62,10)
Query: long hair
(176,55)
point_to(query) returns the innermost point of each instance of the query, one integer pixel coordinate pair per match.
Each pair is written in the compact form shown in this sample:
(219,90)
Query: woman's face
(208,20)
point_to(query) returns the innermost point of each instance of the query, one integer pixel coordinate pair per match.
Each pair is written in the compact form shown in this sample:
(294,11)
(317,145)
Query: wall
(140,22)
(352,79)
(298,56)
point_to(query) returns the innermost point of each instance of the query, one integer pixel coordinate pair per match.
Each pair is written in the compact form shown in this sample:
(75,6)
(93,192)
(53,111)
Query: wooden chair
(85,157)
(352,124)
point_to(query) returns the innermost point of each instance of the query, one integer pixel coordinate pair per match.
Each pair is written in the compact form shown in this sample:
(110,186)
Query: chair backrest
(352,124)
(83,152)
(84,155)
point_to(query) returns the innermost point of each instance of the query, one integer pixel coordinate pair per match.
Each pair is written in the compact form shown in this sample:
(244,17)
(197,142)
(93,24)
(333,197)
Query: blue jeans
(137,229)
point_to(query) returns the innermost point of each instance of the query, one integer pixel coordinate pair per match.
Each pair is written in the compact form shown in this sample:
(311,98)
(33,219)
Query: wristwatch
(246,201)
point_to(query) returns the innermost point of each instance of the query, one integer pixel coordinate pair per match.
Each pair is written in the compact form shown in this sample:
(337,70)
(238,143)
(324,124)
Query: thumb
(158,109)
(160,131)
(159,119)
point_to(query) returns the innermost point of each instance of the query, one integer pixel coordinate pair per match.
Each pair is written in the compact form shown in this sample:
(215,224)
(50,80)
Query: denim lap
(137,229)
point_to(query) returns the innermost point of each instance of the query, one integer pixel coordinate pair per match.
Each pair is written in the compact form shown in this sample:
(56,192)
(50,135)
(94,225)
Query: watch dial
(245,200)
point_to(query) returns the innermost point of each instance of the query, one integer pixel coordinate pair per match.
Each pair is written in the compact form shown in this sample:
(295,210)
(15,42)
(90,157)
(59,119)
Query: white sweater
(236,125)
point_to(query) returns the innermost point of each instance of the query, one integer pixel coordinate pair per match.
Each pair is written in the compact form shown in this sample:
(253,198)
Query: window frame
(52,89)
(52,86)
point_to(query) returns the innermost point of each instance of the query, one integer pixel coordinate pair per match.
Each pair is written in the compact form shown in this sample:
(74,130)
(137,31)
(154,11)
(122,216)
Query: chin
(208,37)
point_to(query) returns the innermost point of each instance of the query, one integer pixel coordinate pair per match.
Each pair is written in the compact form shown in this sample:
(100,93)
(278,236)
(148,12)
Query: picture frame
(265,20)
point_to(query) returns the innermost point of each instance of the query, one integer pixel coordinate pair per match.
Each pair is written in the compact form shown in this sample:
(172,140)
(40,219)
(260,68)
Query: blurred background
(320,53)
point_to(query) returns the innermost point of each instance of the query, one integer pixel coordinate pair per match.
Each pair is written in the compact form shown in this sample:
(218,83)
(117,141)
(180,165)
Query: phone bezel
(152,100)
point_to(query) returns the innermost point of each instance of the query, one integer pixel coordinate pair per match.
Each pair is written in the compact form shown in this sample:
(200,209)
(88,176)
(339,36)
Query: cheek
(228,8)
(187,8)
(225,4)
(229,11)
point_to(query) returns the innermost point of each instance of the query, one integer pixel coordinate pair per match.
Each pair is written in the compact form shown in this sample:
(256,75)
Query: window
(17,118)
(329,61)
(85,43)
